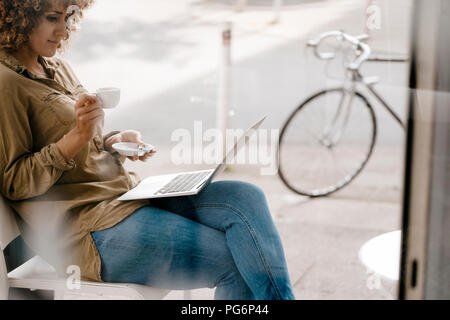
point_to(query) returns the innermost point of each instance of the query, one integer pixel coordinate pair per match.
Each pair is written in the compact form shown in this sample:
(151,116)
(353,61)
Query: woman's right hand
(89,113)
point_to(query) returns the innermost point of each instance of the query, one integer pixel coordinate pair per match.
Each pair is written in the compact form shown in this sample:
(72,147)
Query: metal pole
(240,5)
(223,103)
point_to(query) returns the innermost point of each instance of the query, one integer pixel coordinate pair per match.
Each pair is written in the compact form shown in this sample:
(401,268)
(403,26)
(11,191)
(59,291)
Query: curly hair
(18,18)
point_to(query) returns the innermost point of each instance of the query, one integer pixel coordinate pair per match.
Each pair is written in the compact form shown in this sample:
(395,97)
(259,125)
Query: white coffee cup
(110,97)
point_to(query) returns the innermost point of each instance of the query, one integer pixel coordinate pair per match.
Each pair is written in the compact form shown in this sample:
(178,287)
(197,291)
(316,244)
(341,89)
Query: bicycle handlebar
(363,51)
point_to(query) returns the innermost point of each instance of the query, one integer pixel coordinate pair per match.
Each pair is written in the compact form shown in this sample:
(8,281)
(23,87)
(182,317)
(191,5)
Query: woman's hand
(129,136)
(89,113)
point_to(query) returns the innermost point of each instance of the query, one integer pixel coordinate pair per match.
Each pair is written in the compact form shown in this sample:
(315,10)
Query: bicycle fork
(333,131)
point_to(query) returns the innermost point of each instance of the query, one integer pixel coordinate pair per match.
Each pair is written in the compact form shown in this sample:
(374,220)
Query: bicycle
(326,142)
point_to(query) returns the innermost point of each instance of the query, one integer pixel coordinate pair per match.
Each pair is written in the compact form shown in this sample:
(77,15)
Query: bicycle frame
(337,108)
(332,131)
(371,88)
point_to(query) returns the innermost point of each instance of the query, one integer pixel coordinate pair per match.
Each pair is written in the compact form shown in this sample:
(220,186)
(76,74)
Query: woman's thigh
(222,203)
(163,249)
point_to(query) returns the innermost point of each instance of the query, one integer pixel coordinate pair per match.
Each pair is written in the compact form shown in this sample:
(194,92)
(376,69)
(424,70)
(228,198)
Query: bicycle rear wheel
(326,142)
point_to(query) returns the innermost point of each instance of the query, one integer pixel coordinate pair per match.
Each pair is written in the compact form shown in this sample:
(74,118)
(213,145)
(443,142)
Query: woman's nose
(61,34)
(62,30)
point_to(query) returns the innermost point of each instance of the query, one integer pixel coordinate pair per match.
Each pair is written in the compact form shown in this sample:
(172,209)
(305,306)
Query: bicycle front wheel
(326,142)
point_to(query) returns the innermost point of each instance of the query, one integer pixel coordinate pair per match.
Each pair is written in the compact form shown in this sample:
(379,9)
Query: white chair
(36,274)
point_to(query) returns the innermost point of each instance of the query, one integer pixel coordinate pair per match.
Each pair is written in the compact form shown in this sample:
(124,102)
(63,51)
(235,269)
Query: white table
(381,255)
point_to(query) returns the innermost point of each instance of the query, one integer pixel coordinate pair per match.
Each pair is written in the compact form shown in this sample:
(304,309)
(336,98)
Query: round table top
(381,254)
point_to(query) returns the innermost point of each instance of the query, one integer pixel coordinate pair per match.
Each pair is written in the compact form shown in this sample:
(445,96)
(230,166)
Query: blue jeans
(223,237)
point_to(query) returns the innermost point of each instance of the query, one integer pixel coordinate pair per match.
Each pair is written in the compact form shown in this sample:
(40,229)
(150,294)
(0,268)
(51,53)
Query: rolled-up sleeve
(25,174)
(52,156)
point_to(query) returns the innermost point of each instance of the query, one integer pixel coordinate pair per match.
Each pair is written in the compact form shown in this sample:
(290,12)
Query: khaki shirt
(58,203)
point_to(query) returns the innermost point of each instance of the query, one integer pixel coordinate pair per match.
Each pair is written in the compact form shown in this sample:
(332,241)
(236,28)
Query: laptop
(185,183)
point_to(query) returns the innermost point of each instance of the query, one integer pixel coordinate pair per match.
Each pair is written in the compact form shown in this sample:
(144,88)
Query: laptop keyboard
(183,182)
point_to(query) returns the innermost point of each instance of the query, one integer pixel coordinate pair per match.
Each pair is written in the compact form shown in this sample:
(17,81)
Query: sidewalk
(321,237)
(164,56)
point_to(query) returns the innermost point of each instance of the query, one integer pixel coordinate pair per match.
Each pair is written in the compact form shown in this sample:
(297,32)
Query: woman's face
(52,29)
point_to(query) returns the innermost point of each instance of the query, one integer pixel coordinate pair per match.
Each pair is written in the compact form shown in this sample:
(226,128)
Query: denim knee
(241,191)
(243,196)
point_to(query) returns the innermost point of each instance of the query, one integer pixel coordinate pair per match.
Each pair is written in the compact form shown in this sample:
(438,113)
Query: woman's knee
(245,200)
(240,191)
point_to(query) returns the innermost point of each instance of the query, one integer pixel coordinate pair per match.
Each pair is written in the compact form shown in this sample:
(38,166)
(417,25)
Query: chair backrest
(8,226)
(8,232)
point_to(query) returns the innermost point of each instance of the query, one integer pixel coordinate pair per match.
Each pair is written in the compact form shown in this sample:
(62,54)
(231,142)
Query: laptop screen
(243,140)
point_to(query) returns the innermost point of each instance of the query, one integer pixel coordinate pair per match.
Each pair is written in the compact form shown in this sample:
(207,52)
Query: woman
(63,179)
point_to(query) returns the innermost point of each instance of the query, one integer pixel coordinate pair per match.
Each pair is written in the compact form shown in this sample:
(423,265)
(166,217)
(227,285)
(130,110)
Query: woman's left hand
(129,136)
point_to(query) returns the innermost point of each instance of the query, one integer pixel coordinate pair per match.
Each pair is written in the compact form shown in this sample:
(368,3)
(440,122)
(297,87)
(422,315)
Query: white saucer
(131,149)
